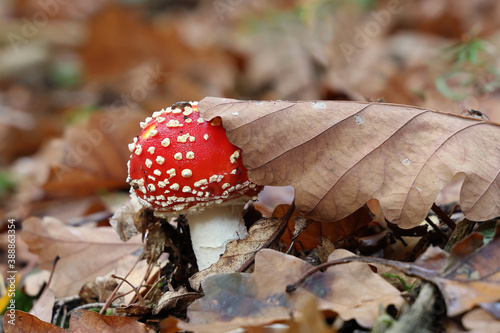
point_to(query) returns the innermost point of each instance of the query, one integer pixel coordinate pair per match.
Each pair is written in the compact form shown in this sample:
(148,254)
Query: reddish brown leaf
(88,322)
(469,280)
(310,238)
(339,155)
(16,321)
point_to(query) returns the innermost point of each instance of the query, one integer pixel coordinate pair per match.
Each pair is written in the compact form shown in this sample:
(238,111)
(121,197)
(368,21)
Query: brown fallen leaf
(169,325)
(338,155)
(92,155)
(85,252)
(81,321)
(465,279)
(87,321)
(240,253)
(246,300)
(19,322)
(480,321)
(310,319)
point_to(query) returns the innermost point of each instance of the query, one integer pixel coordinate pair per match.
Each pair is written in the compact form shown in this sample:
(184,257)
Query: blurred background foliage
(77,76)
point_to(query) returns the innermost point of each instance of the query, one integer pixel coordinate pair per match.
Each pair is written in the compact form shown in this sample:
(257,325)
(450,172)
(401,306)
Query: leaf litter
(193,55)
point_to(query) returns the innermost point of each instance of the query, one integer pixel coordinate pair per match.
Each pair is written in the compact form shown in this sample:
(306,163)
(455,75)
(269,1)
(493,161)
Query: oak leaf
(247,300)
(338,155)
(85,252)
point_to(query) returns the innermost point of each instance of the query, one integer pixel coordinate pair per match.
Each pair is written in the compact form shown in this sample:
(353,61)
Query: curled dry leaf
(240,253)
(123,220)
(338,155)
(175,301)
(240,299)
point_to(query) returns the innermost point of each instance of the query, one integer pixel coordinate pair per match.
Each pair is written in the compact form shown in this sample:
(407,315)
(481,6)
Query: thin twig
(139,296)
(445,218)
(435,227)
(406,268)
(294,238)
(111,297)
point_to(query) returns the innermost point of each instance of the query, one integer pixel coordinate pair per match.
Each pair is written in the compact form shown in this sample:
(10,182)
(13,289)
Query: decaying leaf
(243,300)
(240,253)
(465,279)
(338,155)
(123,219)
(96,250)
(175,301)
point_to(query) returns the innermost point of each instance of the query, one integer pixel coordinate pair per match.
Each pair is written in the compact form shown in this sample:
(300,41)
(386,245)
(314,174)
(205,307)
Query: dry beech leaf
(240,253)
(241,299)
(93,155)
(175,301)
(338,155)
(85,252)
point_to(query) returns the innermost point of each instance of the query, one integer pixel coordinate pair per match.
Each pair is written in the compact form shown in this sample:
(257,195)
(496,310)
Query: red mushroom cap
(180,163)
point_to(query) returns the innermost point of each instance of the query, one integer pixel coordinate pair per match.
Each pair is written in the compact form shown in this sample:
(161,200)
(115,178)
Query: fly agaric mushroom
(182,164)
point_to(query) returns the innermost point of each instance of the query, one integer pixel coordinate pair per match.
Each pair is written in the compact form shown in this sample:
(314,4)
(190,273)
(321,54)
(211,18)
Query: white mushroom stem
(211,230)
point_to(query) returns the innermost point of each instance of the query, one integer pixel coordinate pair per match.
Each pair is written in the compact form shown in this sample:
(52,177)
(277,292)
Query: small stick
(435,227)
(139,296)
(111,297)
(407,268)
(445,218)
